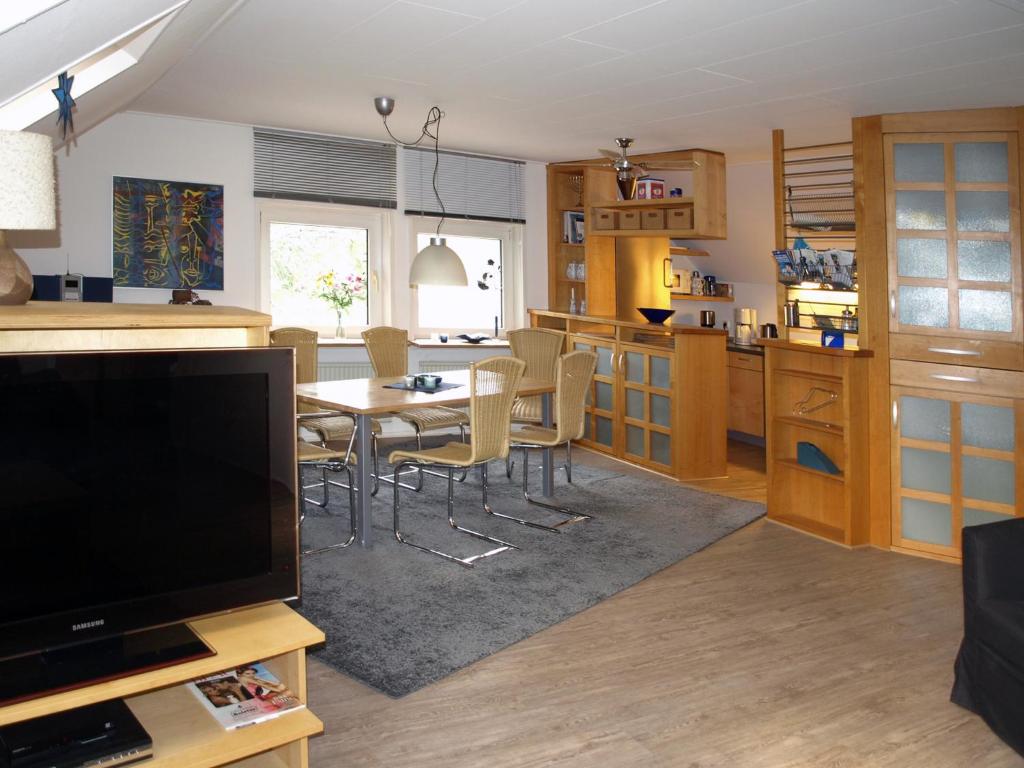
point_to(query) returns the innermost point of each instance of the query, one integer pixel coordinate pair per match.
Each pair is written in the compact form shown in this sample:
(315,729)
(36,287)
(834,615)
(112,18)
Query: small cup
(443,338)
(429,381)
(410,381)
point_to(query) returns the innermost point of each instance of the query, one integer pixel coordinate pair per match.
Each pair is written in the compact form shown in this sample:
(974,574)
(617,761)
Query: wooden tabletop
(372,397)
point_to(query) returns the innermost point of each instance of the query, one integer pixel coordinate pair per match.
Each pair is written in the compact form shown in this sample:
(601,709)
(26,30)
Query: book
(244,696)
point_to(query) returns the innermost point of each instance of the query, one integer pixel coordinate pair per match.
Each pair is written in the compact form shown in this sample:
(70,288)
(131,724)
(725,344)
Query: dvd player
(104,734)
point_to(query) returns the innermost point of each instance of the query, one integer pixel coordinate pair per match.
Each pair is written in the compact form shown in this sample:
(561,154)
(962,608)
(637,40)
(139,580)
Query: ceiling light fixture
(437,264)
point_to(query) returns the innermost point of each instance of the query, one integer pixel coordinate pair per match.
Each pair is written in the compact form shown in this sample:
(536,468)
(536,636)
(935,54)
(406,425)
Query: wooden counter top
(803,346)
(603,320)
(47,315)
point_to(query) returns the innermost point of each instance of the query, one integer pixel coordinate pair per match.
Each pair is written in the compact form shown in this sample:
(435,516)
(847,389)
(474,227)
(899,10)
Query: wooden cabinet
(955,439)
(184,734)
(746,393)
(625,260)
(953,222)
(658,398)
(818,396)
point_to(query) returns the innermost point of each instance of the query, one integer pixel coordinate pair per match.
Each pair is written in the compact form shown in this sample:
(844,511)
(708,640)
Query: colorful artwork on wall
(168,234)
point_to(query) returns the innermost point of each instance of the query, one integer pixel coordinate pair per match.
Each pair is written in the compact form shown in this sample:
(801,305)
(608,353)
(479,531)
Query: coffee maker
(746,322)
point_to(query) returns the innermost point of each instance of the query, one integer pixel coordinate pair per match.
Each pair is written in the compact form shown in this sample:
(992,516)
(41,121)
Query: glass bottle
(572,301)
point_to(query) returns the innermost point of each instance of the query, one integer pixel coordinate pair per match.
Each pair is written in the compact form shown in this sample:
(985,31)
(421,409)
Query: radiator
(335,371)
(435,366)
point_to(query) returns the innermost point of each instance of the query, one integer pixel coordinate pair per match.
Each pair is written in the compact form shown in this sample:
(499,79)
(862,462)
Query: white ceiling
(555,79)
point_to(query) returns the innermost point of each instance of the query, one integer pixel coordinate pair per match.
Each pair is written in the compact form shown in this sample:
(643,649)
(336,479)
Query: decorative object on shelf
(575,181)
(573,231)
(696,284)
(572,301)
(187,296)
(168,234)
(436,264)
(791,313)
(810,455)
(655,315)
(340,294)
(650,189)
(807,404)
(65,103)
(27,201)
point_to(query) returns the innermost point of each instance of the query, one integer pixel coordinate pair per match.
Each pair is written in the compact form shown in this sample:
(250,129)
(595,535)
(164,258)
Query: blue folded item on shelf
(810,455)
(834,339)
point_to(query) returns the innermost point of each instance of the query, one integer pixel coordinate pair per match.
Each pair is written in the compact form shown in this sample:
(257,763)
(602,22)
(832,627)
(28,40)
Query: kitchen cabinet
(658,398)
(955,437)
(746,393)
(817,395)
(953,221)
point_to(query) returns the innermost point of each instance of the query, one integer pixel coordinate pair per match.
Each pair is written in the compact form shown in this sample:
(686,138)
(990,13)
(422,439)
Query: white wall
(151,147)
(745,257)
(181,149)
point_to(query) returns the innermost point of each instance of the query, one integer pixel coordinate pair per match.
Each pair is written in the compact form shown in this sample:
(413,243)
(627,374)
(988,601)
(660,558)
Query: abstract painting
(168,234)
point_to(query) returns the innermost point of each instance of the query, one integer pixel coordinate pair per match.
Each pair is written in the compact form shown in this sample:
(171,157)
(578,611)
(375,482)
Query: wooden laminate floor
(769,649)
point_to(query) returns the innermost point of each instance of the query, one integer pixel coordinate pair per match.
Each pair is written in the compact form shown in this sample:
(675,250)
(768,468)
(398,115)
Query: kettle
(769,331)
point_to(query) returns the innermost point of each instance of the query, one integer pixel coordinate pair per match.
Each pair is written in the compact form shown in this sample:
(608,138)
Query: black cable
(434,116)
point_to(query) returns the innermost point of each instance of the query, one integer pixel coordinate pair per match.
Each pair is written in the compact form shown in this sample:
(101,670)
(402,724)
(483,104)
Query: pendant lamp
(436,264)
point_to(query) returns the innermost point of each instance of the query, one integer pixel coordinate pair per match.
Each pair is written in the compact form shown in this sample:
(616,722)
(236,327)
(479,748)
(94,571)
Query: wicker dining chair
(329,428)
(325,460)
(573,375)
(492,386)
(388,349)
(539,348)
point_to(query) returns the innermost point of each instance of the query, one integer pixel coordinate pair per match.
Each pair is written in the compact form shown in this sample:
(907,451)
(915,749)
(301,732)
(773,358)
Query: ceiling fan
(629,172)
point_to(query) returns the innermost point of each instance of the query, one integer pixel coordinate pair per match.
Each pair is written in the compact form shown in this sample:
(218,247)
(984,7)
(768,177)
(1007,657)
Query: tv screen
(142,488)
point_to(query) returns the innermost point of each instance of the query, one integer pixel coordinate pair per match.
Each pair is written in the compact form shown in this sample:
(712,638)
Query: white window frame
(375,222)
(511,236)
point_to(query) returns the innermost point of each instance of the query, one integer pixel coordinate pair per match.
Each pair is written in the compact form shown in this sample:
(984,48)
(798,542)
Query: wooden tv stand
(184,734)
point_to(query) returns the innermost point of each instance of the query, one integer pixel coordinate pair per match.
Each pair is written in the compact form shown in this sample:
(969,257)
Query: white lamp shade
(27,198)
(437,264)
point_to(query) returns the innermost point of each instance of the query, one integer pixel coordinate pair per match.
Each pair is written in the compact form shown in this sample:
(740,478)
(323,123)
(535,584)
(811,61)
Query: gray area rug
(398,619)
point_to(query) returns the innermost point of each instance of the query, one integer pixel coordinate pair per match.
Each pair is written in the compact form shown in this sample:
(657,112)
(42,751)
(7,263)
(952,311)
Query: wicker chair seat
(451,454)
(438,417)
(311,452)
(531,435)
(331,428)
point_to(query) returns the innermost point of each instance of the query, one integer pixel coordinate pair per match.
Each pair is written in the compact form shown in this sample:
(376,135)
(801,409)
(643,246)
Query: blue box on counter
(832,339)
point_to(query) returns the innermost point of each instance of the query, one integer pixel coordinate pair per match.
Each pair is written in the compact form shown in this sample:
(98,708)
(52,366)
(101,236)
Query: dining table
(367,398)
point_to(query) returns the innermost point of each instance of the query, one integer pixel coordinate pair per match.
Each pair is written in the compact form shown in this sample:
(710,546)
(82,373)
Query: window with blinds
(471,186)
(328,169)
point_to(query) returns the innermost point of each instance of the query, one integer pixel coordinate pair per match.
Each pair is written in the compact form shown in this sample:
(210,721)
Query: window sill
(431,344)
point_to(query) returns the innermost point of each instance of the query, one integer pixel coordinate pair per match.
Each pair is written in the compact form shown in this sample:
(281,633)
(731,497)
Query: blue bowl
(656,316)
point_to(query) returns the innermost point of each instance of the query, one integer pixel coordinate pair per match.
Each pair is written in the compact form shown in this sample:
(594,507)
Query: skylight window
(93,70)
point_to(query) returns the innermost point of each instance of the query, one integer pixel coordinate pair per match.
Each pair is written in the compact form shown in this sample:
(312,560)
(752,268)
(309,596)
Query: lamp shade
(27,198)
(437,264)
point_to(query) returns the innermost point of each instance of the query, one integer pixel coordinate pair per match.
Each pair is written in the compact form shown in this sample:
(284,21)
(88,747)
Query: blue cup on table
(428,381)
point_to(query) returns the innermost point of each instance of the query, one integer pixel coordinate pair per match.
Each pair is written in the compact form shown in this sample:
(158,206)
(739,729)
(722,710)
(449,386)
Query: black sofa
(990,666)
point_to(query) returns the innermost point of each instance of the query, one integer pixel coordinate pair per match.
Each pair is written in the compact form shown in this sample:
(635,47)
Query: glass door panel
(647,384)
(598,431)
(927,521)
(954,234)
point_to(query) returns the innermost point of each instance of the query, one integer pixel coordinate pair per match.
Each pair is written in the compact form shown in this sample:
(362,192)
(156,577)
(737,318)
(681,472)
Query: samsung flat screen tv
(138,490)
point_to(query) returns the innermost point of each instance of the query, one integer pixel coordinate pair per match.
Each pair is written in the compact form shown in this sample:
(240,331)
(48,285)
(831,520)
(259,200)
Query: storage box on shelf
(659,392)
(817,395)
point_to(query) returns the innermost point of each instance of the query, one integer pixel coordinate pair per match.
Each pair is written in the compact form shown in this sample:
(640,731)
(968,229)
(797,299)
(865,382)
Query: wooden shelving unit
(691,297)
(819,396)
(183,732)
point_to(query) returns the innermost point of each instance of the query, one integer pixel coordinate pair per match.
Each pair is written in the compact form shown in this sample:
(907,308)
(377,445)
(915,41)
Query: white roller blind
(472,187)
(306,166)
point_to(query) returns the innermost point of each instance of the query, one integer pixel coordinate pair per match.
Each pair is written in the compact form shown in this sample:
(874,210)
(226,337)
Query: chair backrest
(388,349)
(539,348)
(574,373)
(493,383)
(304,342)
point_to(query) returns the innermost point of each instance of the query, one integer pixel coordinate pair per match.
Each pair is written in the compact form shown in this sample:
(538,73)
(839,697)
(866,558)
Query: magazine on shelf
(244,696)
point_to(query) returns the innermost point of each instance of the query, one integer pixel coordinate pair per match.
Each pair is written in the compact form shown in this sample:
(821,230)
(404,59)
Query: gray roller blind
(306,166)
(472,187)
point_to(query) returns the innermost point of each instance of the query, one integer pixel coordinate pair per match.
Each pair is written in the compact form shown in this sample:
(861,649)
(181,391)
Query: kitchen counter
(746,349)
(674,328)
(802,346)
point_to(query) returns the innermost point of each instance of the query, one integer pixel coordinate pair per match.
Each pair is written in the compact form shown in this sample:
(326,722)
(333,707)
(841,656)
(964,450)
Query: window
(490,252)
(312,251)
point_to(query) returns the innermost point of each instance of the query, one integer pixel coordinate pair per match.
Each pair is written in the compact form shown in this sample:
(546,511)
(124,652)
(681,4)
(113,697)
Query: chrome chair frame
(325,483)
(449,471)
(575,517)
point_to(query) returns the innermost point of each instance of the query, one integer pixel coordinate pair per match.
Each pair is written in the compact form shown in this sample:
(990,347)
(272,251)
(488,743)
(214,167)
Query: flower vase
(339,331)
